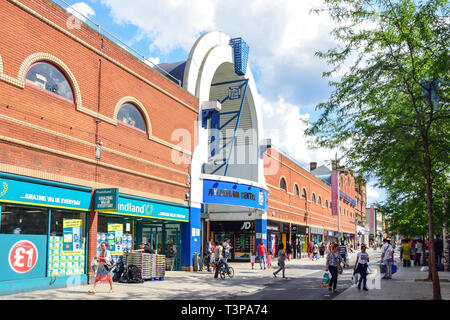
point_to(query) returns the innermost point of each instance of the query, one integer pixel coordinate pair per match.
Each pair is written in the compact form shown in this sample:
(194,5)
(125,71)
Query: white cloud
(81,10)
(372,194)
(283,124)
(152,61)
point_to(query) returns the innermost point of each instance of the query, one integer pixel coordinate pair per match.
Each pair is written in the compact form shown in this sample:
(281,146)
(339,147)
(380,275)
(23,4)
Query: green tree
(389,110)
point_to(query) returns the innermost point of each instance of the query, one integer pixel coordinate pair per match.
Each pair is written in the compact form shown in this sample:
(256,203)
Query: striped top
(342,249)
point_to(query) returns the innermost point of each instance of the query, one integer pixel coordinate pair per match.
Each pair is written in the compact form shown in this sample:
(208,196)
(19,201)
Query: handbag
(109,266)
(338,266)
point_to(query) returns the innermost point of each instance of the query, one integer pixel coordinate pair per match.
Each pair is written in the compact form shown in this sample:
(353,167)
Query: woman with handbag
(333,265)
(361,264)
(105,266)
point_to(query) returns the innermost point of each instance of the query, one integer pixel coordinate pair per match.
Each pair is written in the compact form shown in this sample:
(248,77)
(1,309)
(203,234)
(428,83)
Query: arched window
(304,194)
(313,199)
(131,116)
(319,201)
(326,203)
(296,192)
(45,76)
(283,184)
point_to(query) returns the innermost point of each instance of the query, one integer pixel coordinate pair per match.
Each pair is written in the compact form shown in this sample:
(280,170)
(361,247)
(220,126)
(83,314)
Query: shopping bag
(325,279)
(394,268)
(355,278)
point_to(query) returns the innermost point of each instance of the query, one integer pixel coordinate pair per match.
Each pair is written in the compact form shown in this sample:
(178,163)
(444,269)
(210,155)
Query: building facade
(80,114)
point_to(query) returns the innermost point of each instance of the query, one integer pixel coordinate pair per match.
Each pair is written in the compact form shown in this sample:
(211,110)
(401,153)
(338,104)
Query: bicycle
(223,271)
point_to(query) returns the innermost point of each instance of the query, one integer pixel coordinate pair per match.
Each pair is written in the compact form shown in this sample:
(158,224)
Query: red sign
(334,194)
(23,256)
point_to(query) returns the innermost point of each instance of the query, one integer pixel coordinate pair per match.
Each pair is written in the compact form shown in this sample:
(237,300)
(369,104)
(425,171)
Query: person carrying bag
(361,264)
(333,265)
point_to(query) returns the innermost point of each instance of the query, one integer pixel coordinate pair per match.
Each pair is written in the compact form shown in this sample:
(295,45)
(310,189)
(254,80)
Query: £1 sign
(23,256)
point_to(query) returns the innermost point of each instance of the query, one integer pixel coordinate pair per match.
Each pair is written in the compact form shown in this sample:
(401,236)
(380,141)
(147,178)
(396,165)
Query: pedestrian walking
(419,251)
(315,252)
(226,248)
(104,273)
(406,253)
(361,264)
(310,249)
(288,251)
(322,249)
(262,250)
(387,258)
(252,259)
(334,261)
(343,250)
(281,261)
(269,259)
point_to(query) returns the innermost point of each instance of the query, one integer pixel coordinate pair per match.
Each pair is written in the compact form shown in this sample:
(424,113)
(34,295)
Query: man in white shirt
(419,250)
(387,257)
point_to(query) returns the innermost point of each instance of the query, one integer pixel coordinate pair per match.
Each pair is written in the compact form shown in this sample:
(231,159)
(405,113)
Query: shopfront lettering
(128,207)
(51,199)
(231,194)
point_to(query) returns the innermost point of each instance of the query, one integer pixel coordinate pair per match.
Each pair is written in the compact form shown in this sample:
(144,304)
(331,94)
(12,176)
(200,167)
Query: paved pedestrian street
(303,282)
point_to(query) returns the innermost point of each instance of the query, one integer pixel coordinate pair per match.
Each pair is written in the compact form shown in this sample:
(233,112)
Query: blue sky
(283,37)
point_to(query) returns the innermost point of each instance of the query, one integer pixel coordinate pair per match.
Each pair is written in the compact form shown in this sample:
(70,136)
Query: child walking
(252,259)
(269,259)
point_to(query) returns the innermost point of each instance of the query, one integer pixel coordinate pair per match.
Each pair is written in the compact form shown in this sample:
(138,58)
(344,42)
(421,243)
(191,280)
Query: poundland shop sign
(229,193)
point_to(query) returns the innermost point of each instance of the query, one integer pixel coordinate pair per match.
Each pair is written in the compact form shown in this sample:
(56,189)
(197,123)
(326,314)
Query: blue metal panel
(190,237)
(240,55)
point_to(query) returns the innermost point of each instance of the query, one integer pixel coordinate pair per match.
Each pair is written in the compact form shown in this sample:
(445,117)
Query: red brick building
(81,130)
(300,204)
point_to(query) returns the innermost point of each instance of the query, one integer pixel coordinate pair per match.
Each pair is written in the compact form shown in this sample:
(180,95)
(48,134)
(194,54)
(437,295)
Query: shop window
(45,76)
(313,198)
(23,220)
(296,192)
(131,116)
(283,184)
(67,246)
(304,194)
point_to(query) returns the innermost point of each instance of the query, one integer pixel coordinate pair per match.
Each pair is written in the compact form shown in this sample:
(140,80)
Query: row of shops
(242,235)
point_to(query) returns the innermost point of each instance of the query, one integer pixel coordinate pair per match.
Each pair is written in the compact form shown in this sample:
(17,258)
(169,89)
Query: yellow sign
(73,223)
(115,227)
(72,253)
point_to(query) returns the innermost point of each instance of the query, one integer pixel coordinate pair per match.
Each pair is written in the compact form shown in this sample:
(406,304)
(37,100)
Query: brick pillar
(92,243)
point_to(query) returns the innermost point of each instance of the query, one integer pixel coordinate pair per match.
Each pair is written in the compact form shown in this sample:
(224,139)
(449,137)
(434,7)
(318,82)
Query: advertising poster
(72,236)
(115,239)
(334,194)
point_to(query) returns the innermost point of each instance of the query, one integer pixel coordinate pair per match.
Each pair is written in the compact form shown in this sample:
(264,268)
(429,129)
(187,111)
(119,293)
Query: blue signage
(20,192)
(140,207)
(233,194)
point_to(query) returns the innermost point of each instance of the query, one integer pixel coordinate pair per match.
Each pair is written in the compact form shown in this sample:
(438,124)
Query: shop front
(273,235)
(43,234)
(329,236)
(237,212)
(299,240)
(316,235)
(136,220)
(241,235)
